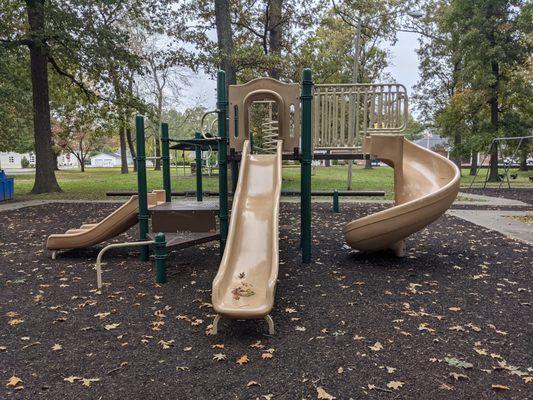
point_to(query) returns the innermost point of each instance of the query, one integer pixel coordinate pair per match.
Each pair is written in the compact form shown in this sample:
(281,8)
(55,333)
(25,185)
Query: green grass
(522,179)
(95,182)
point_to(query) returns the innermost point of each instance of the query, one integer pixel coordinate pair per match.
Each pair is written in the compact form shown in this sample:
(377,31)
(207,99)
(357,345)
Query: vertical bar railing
(165,160)
(198,157)
(307,103)
(142,185)
(222,107)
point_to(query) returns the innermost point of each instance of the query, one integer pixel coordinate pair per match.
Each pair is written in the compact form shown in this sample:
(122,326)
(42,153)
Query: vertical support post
(222,107)
(336,201)
(160,249)
(307,99)
(165,158)
(234,170)
(198,156)
(141,185)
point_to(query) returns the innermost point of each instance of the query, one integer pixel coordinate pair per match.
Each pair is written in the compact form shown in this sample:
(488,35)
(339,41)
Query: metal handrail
(114,246)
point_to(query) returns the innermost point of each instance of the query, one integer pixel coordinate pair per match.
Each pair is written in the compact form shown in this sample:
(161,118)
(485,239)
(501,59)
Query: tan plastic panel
(425,185)
(250,260)
(241,97)
(114,224)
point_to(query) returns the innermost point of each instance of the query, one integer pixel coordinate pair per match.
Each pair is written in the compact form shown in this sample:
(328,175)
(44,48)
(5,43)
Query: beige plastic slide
(425,186)
(114,224)
(245,284)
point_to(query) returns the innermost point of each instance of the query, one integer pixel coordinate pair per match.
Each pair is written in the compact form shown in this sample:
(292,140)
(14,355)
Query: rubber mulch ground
(449,321)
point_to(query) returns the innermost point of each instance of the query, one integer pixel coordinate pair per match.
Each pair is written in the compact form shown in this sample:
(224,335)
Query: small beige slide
(114,224)
(245,284)
(425,186)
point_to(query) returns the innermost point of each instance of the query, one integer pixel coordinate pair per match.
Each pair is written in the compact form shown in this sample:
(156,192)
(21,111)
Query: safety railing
(345,113)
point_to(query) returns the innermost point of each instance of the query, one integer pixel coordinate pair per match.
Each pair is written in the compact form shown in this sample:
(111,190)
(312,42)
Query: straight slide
(425,186)
(244,286)
(114,224)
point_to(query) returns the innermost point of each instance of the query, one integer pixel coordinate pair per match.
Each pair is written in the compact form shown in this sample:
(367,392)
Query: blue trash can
(7,187)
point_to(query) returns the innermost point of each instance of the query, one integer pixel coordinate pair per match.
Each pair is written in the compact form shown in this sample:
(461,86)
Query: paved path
(499,221)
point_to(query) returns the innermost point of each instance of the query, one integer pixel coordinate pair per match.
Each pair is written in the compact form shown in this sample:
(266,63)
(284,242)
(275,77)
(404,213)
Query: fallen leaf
(376,347)
(253,383)
(243,359)
(13,381)
(500,387)
(57,347)
(395,385)
(217,346)
(300,328)
(445,386)
(265,356)
(15,321)
(87,381)
(110,327)
(457,376)
(219,357)
(454,362)
(165,344)
(102,315)
(454,308)
(72,379)
(323,395)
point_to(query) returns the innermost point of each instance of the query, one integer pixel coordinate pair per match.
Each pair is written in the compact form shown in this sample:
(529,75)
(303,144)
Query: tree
(225,40)
(493,44)
(81,129)
(52,36)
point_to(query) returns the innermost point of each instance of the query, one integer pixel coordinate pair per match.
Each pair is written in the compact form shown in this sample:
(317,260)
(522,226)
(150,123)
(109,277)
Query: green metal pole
(160,249)
(141,185)
(222,107)
(165,158)
(306,98)
(336,201)
(198,152)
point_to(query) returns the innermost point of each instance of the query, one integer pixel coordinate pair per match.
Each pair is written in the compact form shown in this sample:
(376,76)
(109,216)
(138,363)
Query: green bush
(25,162)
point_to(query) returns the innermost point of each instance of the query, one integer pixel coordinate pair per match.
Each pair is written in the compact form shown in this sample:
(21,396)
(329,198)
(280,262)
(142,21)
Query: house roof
(433,142)
(107,154)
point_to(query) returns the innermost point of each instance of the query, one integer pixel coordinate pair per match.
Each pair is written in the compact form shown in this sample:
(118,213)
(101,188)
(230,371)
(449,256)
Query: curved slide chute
(245,284)
(119,221)
(425,185)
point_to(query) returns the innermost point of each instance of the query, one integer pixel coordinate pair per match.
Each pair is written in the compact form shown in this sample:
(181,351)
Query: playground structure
(524,143)
(364,120)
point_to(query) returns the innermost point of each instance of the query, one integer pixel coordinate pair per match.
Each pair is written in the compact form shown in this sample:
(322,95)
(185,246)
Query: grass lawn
(95,182)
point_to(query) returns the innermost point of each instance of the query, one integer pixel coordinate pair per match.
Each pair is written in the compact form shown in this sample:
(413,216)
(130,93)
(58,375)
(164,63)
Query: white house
(12,160)
(109,160)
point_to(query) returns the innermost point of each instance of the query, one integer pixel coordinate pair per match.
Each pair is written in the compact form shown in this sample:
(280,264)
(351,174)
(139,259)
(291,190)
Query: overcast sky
(403,68)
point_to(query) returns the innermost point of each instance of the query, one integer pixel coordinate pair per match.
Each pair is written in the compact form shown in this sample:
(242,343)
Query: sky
(403,68)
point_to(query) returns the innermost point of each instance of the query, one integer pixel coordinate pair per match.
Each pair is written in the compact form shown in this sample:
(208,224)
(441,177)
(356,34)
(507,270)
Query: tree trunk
(456,154)
(225,39)
(123,150)
(82,165)
(494,121)
(45,178)
(132,148)
(523,163)
(157,161)
(275,34)
(473,163)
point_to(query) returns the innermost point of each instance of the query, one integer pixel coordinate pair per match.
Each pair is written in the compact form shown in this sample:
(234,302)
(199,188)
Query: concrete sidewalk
(499,221)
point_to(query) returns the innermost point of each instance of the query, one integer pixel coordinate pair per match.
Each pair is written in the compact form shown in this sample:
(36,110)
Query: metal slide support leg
(215,324)
(270,323)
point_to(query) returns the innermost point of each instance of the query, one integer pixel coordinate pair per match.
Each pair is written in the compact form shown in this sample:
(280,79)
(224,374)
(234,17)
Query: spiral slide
(114,224)
(245,284)
(425,186)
